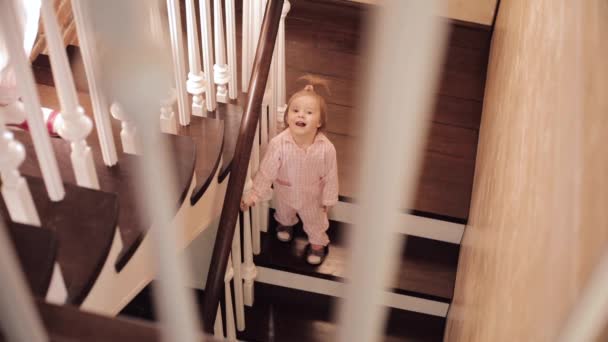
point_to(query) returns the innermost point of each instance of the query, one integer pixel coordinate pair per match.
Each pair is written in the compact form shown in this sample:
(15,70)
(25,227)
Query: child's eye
(295,110)
(309,112)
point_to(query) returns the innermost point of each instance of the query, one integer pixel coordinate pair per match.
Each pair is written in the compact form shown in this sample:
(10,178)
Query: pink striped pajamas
(304,181)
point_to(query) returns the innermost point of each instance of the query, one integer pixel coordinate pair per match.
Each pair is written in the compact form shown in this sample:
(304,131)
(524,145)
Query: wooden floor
(325,38)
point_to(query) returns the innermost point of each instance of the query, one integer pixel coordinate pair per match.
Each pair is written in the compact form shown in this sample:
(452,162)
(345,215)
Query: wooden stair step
(67,323)
(120,179)
(427,269)
(208,135)
(36,248)
(283,314)
(85,224)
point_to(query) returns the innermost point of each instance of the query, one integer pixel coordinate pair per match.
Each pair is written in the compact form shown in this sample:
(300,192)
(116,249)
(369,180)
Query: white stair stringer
(113,291)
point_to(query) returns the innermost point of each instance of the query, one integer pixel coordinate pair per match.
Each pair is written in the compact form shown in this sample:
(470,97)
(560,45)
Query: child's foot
(316,254)
(284,233)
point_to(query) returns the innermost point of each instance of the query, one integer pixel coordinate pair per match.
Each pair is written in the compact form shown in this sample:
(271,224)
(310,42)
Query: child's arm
(330,180)
(263,179)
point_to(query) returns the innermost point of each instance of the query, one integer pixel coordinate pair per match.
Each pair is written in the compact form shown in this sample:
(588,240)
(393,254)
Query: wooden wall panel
(538,219)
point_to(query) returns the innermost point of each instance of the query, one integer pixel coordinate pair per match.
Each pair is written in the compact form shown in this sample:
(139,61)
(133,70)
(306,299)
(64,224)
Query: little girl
(300,163)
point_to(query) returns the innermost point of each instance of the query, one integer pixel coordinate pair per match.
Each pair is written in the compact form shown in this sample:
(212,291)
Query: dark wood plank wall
(326,38)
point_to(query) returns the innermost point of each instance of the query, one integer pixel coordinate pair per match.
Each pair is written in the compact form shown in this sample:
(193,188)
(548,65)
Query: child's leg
(315,223)
(284,214)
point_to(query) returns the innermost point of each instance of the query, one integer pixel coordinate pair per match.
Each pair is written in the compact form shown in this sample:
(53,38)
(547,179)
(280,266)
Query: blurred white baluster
(231,39)
(255,211)
(207,53)
(230,329)
(238,279)
(27,87)
(179,69)
(196,78)
(128,132)
(16,192)
(167,115)
(98,100)
(281,77)
(19,318)
(274,98)
(220,69)
(76,126)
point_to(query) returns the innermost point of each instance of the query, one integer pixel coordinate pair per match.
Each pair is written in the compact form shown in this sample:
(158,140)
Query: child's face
(304,116)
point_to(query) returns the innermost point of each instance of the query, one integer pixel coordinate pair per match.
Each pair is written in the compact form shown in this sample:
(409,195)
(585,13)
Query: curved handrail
(242,154)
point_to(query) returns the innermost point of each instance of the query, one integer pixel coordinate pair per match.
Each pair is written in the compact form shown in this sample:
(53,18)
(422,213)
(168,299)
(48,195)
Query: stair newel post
(129,136)
(27,87)
(179,69)
(196,79)
(168,123)
(281,74)
(238,279)
(16,192)
(245,42)
(207,48)
(230,328)
(76,126)
(19,317)
(231,39)
(220,69)
(98,100)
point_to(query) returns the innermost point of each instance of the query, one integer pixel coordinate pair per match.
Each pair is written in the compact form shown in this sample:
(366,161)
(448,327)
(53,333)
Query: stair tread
(207,134)
(65,323)
(282,314)
(120,179)
(427,268)
(85,224)
(36,248)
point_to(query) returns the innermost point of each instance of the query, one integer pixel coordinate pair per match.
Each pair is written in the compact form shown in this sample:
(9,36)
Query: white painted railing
(196,78)
(27,87)
(76,126)
(179,69)
(101,107)
(220,69)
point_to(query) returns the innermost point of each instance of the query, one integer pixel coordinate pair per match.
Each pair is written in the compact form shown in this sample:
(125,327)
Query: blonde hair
(310,90)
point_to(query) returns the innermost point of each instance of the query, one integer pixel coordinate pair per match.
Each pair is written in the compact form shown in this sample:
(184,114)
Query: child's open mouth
(300,124)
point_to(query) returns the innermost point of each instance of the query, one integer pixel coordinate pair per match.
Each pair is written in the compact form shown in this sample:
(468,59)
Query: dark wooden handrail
(240,163)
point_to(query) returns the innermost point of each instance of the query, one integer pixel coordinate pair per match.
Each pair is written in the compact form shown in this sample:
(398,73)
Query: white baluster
(76,126)
(16,193)
(196,78)
(177,48)
(230,329)
(249,271)
(238,279)
(246,41)
(205,13)
(98,100)
(255,211)
(167,115)
(274,98)
(218,327)
(128,133)
(281,78)
(220,69)
(231,39)
(27,87)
